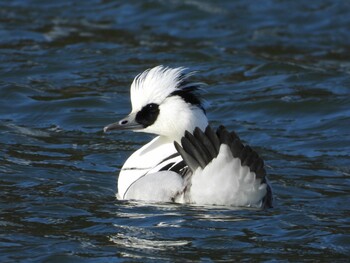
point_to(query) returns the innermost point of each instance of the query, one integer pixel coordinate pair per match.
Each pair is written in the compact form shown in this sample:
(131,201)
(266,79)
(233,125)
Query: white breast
(142,161)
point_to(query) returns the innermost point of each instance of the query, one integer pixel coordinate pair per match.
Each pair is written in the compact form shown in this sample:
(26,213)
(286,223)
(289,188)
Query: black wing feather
(201,148)
(202,151)
(209,132)
(189,160)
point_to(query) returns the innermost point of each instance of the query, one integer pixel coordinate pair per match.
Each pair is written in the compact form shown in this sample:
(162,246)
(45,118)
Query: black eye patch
(148,114)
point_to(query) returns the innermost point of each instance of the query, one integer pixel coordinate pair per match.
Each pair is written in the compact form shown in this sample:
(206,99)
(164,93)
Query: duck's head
(163,102)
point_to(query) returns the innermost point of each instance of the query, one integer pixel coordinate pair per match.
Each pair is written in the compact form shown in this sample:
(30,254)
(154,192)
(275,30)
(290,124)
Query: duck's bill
(128,123)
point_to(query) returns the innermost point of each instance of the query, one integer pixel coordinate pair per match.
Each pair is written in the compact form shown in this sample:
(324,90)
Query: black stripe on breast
(168,158)
(178,168)
(166,167)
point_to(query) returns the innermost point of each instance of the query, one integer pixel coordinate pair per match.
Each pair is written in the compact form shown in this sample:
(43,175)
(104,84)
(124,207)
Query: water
(277,73)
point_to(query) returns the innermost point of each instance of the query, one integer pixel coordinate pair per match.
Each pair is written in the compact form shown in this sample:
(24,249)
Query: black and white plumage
(188,162)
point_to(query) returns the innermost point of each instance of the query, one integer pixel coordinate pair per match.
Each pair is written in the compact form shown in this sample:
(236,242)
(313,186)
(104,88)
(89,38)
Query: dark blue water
(278,73)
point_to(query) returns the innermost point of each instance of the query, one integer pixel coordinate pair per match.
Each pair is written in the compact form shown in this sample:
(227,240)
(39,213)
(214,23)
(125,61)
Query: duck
(188,161)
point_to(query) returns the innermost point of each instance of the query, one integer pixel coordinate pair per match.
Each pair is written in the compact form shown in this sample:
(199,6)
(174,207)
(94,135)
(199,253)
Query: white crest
(154,85)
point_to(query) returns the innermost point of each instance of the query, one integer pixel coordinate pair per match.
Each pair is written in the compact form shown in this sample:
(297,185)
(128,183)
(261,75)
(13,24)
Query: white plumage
(237,182)
(187,162)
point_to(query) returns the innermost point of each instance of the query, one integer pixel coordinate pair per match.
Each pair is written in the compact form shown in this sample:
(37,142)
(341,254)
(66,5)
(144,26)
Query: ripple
(279,79)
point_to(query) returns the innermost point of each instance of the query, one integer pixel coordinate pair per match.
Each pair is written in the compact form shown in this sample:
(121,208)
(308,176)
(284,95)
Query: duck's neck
(178,131)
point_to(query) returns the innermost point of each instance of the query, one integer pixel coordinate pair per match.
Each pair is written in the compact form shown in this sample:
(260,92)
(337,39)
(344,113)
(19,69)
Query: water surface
(277,74)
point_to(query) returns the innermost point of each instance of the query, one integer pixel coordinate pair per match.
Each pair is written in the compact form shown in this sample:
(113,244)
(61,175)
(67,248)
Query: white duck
(212,168)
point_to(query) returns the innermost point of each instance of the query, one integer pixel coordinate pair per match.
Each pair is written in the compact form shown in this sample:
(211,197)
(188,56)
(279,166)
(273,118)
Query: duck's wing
(224,171)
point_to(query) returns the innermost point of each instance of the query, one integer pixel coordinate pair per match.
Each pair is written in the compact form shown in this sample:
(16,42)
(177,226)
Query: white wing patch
(224,181)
